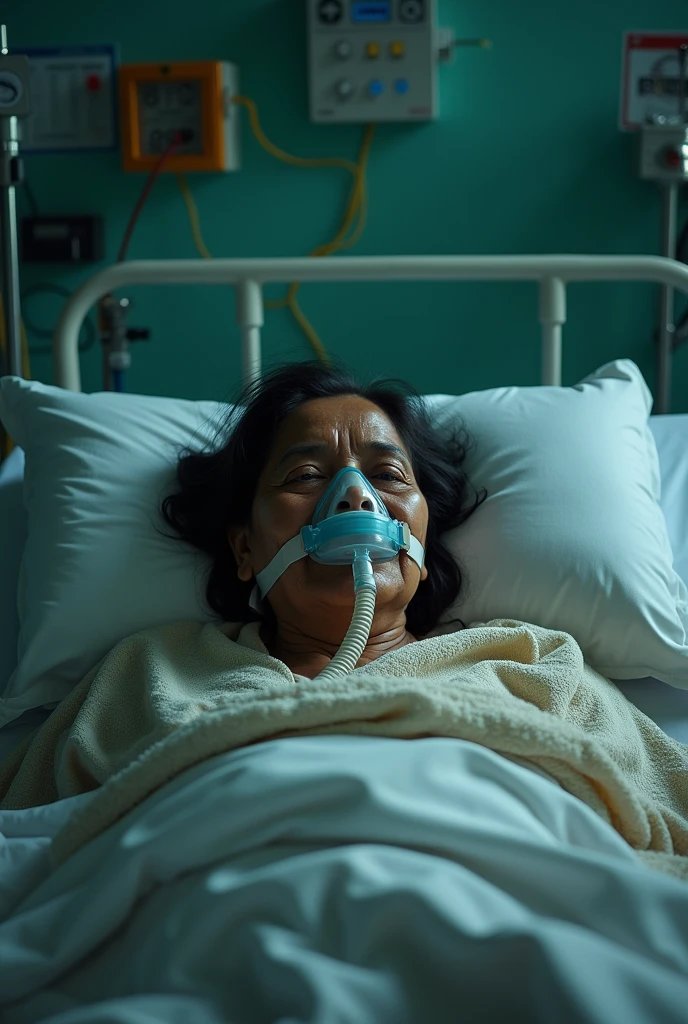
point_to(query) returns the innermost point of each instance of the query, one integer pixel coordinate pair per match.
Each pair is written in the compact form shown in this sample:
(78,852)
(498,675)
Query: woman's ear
(238,539)
(424,573)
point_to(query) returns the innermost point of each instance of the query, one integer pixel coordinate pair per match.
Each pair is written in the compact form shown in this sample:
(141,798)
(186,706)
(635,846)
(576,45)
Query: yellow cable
(357,206)
(355,213)
(194,221)
(297,161)
(308,329)
(281,154)
(26,362)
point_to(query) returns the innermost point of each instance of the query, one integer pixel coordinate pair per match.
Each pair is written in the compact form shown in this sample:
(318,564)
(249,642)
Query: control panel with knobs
(372,60)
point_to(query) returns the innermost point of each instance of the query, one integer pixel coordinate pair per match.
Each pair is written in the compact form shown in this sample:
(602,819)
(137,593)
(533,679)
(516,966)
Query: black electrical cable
(44,332)
(31,197)
(682,245)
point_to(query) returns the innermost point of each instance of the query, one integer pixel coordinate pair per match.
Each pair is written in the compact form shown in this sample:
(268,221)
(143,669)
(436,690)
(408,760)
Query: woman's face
(317,440)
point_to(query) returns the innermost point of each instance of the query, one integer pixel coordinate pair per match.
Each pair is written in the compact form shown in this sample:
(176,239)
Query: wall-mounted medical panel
(160,102)
(372,60)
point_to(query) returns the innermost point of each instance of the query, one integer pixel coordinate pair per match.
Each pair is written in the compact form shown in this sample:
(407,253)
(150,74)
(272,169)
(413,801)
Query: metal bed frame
(552,272)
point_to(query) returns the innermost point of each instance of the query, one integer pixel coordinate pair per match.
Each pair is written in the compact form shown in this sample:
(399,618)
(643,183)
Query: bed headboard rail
(552,272)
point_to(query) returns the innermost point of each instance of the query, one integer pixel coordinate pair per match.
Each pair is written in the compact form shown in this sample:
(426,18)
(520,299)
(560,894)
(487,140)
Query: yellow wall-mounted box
(160,101)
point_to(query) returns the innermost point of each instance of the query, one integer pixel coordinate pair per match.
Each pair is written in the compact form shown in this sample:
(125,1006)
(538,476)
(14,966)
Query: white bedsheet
(671,437)
(13,530)
(342,879)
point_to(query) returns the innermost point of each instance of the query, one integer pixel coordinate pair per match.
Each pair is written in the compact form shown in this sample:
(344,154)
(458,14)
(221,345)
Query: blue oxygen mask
(350,526)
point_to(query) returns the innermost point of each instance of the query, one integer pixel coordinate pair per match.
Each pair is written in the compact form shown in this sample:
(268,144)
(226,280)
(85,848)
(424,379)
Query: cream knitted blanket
(170,697)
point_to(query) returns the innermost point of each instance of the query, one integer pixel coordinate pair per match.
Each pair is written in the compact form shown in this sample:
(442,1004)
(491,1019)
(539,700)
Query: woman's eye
(387,476)
(304,478)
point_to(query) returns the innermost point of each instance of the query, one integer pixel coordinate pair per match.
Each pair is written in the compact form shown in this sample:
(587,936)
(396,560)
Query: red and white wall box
(651,73)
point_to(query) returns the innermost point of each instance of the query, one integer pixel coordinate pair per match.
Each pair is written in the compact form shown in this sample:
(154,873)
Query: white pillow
(571,535)
(97,566)
(671,437)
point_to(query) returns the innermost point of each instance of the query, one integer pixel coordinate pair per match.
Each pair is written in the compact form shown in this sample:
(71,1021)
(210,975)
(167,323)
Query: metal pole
(665,340)
(10,252)
(9,175)
(552,319)
(250,317)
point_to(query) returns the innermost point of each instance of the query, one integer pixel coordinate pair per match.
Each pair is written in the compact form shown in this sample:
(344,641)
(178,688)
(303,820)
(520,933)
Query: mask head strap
(289,553)
(294,549)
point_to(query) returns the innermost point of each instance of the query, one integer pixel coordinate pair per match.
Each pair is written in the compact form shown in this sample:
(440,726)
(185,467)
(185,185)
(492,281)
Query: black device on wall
(71,239)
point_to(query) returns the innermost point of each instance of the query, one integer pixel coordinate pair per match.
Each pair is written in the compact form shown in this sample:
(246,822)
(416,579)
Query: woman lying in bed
(301,427)
(308,444)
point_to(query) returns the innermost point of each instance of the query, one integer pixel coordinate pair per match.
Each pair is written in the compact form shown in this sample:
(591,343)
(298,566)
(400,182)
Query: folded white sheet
(348,879)
(671,437)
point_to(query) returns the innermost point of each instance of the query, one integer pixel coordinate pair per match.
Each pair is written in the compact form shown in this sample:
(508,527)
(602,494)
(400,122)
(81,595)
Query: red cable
(145,192)
(135,214)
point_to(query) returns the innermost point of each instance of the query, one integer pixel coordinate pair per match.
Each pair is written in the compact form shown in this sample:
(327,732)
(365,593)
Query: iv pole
(674,160)
(14,101)
(667,327)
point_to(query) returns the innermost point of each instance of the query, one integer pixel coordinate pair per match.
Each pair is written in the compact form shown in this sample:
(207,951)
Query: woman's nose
(355,500)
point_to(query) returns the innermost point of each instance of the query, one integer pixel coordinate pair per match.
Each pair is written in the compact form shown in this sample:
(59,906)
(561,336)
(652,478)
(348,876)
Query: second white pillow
(571,535)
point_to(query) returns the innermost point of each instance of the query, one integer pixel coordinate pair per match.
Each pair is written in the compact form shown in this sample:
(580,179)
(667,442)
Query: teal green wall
(526,158)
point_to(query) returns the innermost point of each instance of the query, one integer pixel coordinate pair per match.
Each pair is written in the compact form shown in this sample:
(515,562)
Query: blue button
(376,87)
(401,86)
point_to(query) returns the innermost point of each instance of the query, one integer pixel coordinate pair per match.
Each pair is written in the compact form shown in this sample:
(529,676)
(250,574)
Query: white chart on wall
(72,95)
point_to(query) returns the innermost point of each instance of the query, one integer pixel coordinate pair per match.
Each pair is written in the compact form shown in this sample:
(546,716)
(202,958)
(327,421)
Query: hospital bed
(667,706)
(301,983)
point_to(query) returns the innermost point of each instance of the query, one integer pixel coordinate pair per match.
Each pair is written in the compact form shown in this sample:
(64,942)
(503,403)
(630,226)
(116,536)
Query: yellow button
(397,48)
(373,50)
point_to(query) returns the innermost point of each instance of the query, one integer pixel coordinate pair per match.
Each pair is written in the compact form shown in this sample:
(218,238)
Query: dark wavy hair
(216,485)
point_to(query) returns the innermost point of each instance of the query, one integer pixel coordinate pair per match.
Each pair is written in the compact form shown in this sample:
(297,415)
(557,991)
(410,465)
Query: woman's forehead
(344,419)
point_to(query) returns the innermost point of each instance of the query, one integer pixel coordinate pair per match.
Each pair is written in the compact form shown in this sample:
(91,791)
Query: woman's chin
(331,583)
(335,584)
